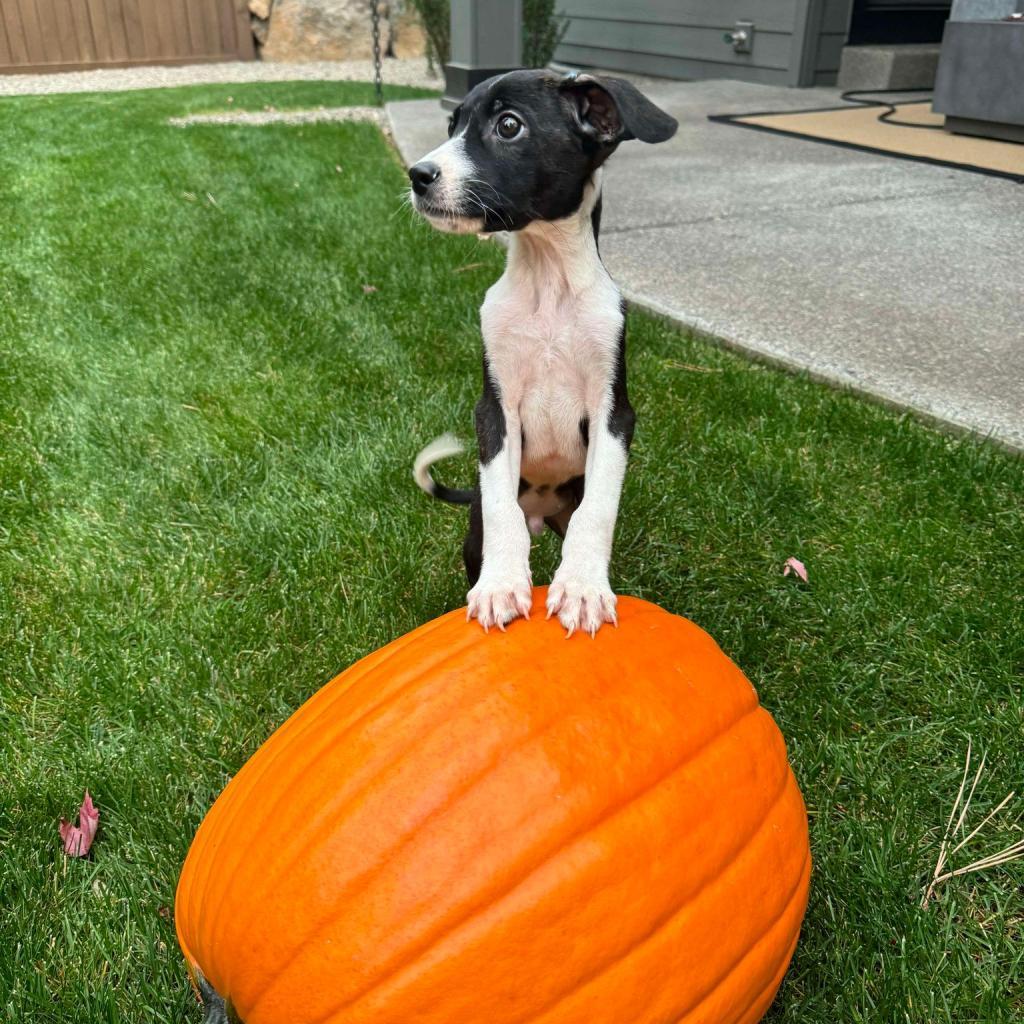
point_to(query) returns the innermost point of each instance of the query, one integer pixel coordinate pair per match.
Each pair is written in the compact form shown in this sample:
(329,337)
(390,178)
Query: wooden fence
(69,35)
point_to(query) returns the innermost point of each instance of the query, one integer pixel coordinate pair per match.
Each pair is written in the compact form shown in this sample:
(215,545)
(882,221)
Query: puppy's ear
(612,110)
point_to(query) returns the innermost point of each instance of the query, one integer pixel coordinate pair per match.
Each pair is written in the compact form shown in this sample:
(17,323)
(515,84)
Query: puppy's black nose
(422,176)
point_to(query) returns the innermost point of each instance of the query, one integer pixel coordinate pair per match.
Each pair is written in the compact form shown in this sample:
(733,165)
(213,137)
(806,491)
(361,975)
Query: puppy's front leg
(503,590)
(580,594)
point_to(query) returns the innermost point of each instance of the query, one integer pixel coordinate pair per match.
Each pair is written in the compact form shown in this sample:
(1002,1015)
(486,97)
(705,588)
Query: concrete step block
(909,66)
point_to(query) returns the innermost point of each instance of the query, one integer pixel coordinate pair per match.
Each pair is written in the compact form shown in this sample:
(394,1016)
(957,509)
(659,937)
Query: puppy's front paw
(498,599)
(581,603)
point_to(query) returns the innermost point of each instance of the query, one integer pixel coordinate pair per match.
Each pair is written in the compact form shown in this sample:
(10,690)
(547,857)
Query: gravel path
(261,117)
(395,72)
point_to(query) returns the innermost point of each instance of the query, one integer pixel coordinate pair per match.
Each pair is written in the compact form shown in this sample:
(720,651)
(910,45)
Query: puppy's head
(522,147)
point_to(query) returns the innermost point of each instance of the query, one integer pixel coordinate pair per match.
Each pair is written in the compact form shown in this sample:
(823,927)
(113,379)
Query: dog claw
(581,606)
(493,602)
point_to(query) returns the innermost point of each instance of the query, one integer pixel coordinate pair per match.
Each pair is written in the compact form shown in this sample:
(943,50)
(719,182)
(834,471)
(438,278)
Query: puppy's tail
(443,447)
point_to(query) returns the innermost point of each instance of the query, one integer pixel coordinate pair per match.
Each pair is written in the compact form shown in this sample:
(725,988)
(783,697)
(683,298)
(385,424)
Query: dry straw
(958,824)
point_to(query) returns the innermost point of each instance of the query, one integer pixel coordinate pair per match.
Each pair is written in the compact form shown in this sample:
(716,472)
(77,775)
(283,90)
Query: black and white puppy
(554,425)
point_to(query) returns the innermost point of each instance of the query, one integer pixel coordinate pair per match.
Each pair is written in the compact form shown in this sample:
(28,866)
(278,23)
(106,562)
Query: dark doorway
(897,21)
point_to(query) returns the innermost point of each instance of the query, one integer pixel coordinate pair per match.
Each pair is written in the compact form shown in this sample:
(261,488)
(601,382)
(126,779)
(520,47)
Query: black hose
(886,117)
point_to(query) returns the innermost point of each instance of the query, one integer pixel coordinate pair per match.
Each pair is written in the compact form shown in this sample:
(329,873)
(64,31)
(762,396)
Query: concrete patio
(900,280)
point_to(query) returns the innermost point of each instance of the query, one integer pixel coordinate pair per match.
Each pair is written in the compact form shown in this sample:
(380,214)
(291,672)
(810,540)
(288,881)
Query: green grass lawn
(207,426)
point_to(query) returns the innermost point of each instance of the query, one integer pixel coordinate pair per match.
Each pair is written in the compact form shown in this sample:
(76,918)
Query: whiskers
(489,210)
(404,203)
(446,211)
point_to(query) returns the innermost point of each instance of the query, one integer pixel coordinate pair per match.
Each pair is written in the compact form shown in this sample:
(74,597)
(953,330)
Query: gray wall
(831,38)
(796,42)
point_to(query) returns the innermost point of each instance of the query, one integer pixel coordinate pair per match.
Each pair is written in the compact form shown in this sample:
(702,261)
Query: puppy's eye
(508,126)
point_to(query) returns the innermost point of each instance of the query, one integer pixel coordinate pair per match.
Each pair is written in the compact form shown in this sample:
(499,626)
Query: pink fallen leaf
(78,838)
(796,566)
(369,288)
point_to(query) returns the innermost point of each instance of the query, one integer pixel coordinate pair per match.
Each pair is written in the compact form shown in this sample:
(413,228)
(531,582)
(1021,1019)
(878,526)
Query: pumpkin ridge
(416,954)
(230,818)
(235,795)
(500,755)
(669,916)
(802,879)
(760,1003)
(798,887)
(295,844)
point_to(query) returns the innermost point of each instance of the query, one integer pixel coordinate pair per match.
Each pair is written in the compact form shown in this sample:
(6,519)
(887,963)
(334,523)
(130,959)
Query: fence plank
(212,21)
(191,28)
(79,16)
(15,34)
(133,31)
(195,23)
(205,20)
(246,43)
(53,36)
(100,31)
(117,44)
(62,27)
(150,28)
(33,34)
(162,24)
(226,19)
(179,28)
(5,46)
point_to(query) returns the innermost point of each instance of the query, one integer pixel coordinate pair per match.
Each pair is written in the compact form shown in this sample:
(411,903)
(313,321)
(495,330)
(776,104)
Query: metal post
(487,39)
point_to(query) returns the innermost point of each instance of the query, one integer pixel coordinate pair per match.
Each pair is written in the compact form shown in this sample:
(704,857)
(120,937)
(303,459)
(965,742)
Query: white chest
(552,332)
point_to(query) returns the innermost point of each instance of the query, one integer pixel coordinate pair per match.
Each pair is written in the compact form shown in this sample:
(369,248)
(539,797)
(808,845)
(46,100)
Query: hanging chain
(378,85)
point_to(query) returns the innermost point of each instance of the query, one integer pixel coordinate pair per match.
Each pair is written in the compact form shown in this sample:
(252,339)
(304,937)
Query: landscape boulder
(309,30)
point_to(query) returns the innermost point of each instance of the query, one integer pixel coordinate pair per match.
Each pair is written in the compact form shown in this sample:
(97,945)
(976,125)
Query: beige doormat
(859,128)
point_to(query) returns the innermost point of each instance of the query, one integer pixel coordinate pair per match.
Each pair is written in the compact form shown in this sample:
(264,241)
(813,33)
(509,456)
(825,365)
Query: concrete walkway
(901,280)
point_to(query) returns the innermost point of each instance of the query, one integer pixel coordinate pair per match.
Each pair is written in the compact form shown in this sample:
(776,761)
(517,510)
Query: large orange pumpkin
(508,828)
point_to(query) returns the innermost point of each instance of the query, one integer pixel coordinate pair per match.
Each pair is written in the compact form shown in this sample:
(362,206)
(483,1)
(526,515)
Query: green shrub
(543,30)
(435,16)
